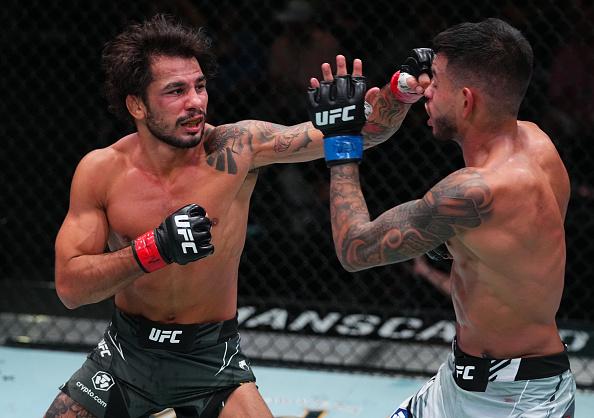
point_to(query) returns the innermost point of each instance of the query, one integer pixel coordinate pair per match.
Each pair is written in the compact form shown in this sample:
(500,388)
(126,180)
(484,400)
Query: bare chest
(137,201)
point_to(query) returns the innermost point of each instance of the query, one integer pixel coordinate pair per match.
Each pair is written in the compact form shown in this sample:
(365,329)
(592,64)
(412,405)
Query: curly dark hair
(126,59)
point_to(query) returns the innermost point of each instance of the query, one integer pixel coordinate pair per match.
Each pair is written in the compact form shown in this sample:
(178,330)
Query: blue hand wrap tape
(343,147)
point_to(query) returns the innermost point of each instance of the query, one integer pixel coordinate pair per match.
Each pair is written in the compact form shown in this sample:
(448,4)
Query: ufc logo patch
(103,348)
(161,336)
(465,372)
(329,117)
(183,229)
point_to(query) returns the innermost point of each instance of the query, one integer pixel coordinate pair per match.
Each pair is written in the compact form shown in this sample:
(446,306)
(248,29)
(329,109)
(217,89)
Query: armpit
(117,242)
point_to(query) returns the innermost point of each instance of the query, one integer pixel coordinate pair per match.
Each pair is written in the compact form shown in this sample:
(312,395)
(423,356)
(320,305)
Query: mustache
(191,116)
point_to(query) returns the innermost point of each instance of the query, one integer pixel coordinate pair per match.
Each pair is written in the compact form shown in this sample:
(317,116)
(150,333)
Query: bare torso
(137,200)
(507,278)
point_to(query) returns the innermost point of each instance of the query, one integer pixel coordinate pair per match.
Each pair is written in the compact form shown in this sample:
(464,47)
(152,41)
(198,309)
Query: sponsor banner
(579,339)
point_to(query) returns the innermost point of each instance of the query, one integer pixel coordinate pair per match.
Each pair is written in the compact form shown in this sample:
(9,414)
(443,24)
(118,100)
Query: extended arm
(274,143)
(462,200)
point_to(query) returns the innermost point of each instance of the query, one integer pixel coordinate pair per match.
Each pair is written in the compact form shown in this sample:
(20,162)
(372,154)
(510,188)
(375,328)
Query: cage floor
(29,380)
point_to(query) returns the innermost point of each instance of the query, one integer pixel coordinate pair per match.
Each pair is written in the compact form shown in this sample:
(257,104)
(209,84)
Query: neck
(162,159)
(480,143)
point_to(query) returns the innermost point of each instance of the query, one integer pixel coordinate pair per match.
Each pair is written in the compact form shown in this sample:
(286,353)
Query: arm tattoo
(226,143)
(285,137)
(388,114)
(63,407)
(461,201)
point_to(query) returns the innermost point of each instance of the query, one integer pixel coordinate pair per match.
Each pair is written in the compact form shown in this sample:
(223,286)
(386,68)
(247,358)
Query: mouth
(192,123)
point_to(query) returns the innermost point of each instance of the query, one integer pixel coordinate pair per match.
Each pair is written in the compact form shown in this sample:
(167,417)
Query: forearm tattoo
(388,114)
(462,200)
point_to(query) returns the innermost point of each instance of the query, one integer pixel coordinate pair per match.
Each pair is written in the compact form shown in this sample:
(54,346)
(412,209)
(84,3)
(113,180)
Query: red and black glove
(183,237)
(418,62)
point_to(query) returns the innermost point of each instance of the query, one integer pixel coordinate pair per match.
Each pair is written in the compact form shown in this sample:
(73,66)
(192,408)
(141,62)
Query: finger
(327,72)
(421,84)
(357,68)
(372,95)
(314,83)
(341,68)
(424,80)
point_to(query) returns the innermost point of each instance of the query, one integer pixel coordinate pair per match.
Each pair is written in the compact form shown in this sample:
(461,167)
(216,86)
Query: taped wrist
(342,149)
(399,88)
(147,253)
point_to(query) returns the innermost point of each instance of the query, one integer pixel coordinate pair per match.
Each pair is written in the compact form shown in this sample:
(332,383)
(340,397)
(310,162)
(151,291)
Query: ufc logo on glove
(337,108)
(183,228)
(330,116)
(186,228)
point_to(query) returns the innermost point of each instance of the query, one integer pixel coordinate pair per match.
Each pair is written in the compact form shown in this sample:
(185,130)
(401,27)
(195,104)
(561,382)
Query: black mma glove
(183,237)
(337,108)
(418,62)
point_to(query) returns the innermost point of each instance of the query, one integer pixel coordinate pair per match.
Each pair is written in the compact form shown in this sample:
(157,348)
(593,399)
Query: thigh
(435,399)
(557,398)
(64,407)
(245,402)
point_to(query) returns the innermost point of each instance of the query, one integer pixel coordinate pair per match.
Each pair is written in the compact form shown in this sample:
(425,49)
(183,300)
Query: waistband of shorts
(470,370)
(171,336)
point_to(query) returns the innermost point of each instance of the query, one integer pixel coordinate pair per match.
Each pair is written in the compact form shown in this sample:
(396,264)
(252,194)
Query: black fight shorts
(142,367)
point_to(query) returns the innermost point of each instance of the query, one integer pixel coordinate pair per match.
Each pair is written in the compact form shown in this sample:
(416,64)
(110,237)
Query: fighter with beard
(501,217)
(171,201)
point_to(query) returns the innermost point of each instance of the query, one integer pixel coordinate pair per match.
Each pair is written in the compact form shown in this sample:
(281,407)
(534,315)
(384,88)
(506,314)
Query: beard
(163,133)
(444,129)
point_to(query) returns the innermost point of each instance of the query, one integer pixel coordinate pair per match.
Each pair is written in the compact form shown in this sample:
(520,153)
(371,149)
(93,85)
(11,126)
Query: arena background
(298,307)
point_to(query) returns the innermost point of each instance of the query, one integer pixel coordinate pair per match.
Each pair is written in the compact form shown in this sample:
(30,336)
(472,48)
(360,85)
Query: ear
(469,102)
(136,107)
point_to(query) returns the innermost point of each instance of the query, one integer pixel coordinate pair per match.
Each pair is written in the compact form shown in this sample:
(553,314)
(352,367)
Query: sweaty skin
(501,218)
(121,191)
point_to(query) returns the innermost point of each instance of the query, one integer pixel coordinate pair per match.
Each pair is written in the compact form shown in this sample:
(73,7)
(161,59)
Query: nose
(429,92)
(196,99)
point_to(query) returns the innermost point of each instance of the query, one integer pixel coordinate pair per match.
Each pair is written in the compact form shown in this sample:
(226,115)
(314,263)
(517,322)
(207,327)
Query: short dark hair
(126,59)
(491,54)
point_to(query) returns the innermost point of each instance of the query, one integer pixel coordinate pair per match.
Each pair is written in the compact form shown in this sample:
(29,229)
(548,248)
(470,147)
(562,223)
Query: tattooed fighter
(501,217)
(173,339)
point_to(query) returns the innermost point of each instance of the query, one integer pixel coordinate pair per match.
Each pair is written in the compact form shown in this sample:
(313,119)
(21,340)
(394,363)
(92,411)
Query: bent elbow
(66,294)
(66,298)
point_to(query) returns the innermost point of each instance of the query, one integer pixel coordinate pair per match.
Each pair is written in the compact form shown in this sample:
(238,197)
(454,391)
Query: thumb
(371,95)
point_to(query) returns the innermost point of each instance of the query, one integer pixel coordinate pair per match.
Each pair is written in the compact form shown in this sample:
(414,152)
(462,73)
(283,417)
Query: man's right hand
(183,237)
(409,82)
